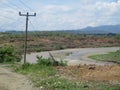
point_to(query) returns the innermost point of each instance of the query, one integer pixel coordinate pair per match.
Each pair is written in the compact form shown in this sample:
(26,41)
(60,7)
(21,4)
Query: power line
(12,24)
(25,5)
(25,45)
(32,25)
(10,5)
(7,17)
(15,20)
(5,4)
(13,4)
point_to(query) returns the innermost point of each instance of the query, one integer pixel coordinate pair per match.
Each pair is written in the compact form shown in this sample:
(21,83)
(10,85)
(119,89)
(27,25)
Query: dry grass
(42,42)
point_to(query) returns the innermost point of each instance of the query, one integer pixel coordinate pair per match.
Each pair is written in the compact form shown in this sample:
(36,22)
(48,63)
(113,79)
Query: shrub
(50,62)
(26,65)
(9,54)
(58,46)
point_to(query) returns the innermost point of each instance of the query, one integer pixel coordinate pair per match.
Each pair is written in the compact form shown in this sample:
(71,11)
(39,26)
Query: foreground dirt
(109,74)
(13,81)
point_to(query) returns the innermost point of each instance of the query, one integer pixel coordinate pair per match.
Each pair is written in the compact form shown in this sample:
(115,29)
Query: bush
(50,62)
(59,46)
(8,54)
(26,66)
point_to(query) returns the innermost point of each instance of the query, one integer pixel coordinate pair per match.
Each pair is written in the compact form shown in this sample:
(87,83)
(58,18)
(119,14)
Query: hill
(98,30)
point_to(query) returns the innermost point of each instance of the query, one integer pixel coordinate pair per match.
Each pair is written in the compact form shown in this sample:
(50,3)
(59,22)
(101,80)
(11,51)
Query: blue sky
(59,14)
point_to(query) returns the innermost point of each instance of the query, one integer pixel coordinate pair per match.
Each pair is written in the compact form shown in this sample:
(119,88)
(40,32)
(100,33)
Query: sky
(58,14)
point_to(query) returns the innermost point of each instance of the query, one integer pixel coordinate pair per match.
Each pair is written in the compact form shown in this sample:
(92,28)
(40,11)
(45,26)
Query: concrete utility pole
(25,44)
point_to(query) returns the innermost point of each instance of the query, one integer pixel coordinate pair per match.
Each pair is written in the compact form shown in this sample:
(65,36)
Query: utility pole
(26,32)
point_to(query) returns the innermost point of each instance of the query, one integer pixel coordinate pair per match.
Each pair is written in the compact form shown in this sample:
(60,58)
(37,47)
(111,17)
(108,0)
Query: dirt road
(13,81)
(73,56)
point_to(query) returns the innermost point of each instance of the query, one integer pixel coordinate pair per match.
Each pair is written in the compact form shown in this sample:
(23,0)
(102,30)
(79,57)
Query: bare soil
(85,72)
(12,81)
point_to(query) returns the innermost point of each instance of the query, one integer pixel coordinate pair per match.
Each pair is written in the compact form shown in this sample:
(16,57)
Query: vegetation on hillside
(47,41)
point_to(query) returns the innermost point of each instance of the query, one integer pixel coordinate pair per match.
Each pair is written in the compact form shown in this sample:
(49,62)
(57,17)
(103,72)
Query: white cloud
(67,16)
(2,0)
(56,8)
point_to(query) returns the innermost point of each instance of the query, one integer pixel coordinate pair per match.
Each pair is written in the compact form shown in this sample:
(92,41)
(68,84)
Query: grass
(110,57)
(57,83)
(45,76)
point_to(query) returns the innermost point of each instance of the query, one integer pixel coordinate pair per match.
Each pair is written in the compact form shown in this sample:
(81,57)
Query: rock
(91,67)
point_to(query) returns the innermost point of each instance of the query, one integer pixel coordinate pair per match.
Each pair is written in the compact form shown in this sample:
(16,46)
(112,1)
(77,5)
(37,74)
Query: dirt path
(12,81)
(74,56)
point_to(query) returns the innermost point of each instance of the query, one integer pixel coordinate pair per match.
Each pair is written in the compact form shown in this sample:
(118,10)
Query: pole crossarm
(26,31)
(27,14)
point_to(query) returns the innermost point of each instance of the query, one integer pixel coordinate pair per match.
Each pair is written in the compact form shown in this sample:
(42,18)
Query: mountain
(100,29)
(105,29)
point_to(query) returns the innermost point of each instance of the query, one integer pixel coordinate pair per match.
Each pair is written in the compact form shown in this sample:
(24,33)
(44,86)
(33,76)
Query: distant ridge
(104,29)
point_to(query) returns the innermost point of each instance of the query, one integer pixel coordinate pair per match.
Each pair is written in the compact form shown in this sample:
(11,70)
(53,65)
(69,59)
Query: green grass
(45,76)
(110,57)
(35,69)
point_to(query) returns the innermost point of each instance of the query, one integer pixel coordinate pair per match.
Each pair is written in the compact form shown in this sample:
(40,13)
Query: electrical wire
(7,17)
(13,4)
(14,24)
(26,5)
(32,24)
(5,4)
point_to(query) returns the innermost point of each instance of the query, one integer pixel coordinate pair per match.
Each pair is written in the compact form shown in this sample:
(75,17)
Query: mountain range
(98,30)
(104,29)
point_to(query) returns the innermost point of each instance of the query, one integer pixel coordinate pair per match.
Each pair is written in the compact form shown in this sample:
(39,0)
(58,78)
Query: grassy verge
(110,57)
(44,75)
